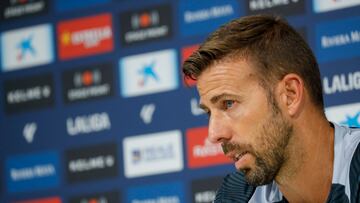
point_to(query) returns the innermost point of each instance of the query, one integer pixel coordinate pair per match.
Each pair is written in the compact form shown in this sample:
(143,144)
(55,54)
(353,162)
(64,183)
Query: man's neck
(307,175)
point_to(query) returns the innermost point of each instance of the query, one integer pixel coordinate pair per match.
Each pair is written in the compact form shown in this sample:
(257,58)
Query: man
(260,84)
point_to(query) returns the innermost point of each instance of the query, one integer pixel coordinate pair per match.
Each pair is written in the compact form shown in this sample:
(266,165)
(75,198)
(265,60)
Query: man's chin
(255,178)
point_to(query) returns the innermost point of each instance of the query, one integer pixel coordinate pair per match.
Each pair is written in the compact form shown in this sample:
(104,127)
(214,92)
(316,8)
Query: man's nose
(219,129)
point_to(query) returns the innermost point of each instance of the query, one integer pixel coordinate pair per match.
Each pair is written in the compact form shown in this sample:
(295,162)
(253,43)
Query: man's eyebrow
(203,107)
(216,98)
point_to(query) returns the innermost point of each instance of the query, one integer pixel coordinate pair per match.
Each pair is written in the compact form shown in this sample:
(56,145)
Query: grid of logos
(127,128)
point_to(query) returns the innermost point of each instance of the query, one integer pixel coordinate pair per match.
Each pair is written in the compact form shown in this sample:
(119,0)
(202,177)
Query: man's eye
(228,104)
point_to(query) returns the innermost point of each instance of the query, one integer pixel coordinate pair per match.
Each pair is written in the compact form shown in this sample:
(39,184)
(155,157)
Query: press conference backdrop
(94,108)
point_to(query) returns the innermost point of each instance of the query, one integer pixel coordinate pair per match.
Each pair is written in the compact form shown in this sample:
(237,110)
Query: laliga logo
(147,112)
(29,132)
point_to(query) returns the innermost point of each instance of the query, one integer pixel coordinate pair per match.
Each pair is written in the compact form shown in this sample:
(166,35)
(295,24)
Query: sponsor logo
(66,5)
(342,82)
(152,154)
(329,5)
(172,192)
(90,163)
(195,109)
(283,7)
(348,114)
(338,40)
(148,73)
(27,47)
(86,124)
(85,36)
(20,8)
(204,190)
(43,200)
(185,53)
(147,112)
(201,152)
(32,172)
(107,197)
(88,83)
(146,25)
(28,93)
(29,131)
(202,17)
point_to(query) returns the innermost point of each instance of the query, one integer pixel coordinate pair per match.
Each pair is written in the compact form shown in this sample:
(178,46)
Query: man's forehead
(239,67)
(226,73)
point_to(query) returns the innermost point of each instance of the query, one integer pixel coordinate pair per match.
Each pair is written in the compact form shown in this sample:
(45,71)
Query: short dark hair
(273,46)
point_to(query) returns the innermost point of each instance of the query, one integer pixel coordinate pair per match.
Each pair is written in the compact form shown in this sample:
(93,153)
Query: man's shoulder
(234,189)
(346,142)
(354,174)
(347,161)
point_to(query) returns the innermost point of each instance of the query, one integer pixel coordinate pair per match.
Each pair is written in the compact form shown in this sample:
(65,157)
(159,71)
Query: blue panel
(200,17)
(169,192)
(135,88)
(32,172)
(338,39)
(65,5)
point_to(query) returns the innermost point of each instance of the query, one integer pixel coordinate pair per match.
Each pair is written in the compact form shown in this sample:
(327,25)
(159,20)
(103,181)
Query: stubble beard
(273,136)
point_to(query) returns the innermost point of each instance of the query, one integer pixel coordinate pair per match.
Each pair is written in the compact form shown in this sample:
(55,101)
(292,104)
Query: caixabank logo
(330,5)
(338,39)
(42,200)
(85,36)
(87,83)
(149,73)
(170,192)
(152,154)
(285,8)
(32,172)
(88,123)
(105,197)
(348,114)
(27,47)
(91,163)
(202,17)
(21,8)
(28,93)
(204,190)
(201,152)
(146,25)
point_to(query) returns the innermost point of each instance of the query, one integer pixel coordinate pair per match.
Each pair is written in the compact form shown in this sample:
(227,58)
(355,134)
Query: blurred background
(94,108)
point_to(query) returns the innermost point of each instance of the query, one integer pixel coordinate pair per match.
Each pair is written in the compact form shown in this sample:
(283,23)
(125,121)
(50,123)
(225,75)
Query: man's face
(245,119)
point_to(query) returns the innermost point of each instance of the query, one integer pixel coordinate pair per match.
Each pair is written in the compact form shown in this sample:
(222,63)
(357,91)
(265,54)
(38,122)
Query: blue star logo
(148,72)
(25,46)
(352,121)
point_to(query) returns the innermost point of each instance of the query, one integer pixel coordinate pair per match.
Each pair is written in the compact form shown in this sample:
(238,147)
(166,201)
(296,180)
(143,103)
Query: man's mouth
(238,156)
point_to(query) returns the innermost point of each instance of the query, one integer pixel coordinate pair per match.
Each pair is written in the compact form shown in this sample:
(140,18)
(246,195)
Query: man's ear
(291,89)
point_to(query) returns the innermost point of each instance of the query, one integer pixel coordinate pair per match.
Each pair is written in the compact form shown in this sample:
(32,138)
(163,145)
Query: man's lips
(236,156)
(240,158)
